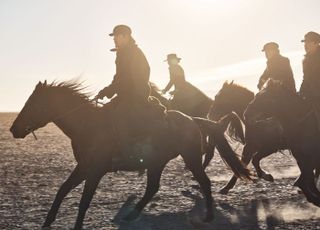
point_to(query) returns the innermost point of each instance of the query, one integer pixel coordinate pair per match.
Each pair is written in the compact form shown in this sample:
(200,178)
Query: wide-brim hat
(270,46)
(311,37)
(121,29)
(172,56)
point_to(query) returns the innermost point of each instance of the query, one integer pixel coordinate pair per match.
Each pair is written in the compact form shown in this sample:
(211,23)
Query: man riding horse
(310,86)
(135,115)
(278,67)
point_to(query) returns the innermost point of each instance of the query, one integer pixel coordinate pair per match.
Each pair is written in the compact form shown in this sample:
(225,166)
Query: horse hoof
(268,177)
(208,218)
(45,226)
(132,216)
(224,191)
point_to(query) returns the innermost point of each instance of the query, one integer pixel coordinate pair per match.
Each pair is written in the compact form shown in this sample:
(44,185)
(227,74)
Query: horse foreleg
(307,184)
(89,189)
(153,184)
(73,181)
(256,163)
(205,184)
(247,154)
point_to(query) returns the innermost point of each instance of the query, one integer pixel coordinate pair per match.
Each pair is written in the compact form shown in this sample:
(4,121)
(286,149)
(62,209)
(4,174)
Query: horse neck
(241,101)
(74,116)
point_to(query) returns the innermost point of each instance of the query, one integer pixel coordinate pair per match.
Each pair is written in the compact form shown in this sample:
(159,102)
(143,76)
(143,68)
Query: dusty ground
(31,172)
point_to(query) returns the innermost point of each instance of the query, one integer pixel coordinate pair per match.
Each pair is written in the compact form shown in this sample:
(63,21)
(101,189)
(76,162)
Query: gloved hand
(106,92)
(109,92)
(100,95)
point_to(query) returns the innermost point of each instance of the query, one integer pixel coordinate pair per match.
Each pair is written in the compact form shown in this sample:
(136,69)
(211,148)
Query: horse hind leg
(256,163)
(247,154)
(75,178)
(153,184)
(199,174)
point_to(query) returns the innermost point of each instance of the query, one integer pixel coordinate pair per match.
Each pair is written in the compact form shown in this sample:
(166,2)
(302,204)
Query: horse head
(231,97)
(34,114)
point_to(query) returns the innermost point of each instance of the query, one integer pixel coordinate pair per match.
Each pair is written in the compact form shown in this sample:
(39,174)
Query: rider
(186,97)
(135,115)
(278,67)
(310,86)
(176,74)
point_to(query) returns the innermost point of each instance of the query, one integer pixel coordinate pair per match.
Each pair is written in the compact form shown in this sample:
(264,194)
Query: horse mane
(71,87)
(238,89)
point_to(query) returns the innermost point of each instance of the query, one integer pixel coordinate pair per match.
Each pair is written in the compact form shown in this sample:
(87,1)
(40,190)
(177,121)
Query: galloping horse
(300,130)
(197,104)
(94,142)
(261,140)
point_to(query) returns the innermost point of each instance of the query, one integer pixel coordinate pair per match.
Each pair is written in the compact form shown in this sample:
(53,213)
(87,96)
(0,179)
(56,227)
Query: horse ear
(39,85)
(225,84)
(45,83)
(231,82)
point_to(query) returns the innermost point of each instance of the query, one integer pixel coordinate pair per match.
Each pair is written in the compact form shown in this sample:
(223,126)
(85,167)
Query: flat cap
(121,29)
(311,37)
(270,46)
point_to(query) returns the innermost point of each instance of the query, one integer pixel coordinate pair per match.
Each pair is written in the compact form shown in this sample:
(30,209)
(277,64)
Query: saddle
(137,134)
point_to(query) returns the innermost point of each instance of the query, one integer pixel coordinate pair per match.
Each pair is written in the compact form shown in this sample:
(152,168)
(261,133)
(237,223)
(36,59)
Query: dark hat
(311,37)
(172,56)
(270,46)
(121,29)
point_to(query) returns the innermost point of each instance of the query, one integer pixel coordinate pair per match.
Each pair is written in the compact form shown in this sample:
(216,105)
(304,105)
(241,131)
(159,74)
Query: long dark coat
(131,80)
(278,68)
(310,87)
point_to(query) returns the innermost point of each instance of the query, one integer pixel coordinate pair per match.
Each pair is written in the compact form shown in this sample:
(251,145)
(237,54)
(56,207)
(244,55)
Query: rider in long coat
(131,81)
(136,117)
(278,67)
(177,78)
(310,87)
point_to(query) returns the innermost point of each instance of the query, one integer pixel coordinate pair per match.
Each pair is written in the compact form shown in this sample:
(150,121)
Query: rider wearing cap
(136,117)
(278,67)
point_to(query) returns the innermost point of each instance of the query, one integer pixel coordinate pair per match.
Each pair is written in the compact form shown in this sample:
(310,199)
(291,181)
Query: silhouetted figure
(135,114)
(177,78)
(310,87)
(278,67)
(186,97)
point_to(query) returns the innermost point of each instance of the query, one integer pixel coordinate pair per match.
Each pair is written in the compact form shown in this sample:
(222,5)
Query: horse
(261,140)
(194,103)
(200,107)
(95,143)
(301,130)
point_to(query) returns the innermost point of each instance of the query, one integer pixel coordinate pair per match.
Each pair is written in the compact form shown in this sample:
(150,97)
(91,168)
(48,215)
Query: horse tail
(234,124)
(226,152)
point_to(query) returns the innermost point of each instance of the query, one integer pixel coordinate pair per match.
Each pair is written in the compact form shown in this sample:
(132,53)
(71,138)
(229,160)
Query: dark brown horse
(300,130)
(197,104)
(261,139)
(95,142)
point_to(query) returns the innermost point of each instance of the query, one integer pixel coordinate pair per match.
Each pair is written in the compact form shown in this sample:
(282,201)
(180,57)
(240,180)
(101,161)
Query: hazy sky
(216,39)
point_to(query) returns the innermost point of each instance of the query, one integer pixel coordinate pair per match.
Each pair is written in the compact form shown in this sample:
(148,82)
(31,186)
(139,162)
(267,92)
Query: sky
(218,40)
